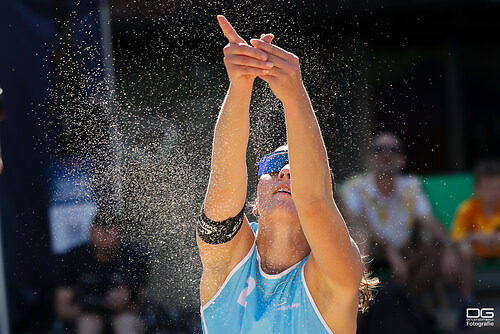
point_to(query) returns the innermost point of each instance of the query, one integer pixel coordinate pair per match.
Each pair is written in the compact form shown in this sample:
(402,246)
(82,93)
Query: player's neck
(280,247)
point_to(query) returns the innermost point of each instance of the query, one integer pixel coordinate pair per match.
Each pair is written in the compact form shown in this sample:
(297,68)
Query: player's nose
(285,172)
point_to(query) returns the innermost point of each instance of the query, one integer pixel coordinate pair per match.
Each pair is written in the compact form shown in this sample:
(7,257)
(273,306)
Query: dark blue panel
(27,34)
(26,31)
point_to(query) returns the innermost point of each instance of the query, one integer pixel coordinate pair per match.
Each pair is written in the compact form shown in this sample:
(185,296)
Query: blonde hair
(366,290)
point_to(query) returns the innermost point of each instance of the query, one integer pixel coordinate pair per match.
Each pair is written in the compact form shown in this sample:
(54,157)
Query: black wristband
(216,233)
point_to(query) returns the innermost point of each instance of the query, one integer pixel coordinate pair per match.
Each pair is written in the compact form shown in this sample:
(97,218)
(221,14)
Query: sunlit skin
(291,226)
(279,223)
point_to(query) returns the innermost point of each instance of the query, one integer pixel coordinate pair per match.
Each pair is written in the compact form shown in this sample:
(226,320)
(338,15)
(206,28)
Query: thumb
(268,38)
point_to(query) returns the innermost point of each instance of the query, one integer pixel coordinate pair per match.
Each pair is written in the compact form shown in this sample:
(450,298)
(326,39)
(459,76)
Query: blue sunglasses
(272,163)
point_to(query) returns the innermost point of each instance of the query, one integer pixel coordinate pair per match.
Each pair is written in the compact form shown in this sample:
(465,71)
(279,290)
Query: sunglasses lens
(272,163)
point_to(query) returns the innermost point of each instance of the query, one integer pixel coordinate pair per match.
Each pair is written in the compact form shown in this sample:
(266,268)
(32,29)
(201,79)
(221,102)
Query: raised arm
(335,259)
(227,188)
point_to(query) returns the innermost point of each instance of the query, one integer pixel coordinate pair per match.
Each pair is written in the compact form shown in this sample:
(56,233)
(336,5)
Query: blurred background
(112,104)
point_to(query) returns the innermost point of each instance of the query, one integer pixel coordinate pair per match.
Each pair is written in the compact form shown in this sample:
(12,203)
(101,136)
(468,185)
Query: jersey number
(242,299)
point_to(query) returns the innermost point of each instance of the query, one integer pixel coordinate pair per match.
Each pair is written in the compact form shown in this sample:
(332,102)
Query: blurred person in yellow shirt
(476,226)
(477,220)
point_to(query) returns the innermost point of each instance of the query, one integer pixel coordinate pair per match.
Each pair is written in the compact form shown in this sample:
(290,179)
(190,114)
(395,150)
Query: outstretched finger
(229,31)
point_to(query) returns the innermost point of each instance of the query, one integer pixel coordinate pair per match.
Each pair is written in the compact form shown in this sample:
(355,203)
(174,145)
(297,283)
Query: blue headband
(272,163)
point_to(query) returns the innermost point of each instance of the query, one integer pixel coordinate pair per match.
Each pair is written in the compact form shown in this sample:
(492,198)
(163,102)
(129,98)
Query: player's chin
(286,207)
(284,199)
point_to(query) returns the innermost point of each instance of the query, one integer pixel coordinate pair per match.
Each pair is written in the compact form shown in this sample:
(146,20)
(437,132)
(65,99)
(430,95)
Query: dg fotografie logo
(480,317)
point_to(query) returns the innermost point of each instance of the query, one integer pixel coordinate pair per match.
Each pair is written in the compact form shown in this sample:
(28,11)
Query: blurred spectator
(393,224)
(103,282)
(476,226)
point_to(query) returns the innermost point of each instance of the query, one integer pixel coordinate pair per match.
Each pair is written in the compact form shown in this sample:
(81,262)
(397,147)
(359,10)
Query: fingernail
(265,71)
(263,56)
(269,64)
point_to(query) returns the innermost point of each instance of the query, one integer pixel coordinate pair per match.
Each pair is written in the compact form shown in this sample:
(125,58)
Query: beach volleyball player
(299,271)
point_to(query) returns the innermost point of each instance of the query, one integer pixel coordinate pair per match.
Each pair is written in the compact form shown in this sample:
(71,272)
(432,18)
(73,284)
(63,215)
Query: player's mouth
(283,190)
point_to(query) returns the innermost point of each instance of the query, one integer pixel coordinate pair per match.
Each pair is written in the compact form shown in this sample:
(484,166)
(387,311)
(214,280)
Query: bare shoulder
(219,260)
(338,306)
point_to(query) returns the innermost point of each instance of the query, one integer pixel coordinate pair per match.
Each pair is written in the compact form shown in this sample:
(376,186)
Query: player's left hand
(284,78)
(243,62)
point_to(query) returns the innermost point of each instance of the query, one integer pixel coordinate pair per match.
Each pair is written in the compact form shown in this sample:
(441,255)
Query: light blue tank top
(253,302)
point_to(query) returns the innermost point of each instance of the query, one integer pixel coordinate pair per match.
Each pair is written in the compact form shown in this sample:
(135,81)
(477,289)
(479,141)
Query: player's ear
(255,209)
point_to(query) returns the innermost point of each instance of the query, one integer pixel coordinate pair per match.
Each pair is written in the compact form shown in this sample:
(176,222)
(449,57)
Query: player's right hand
(243,62)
